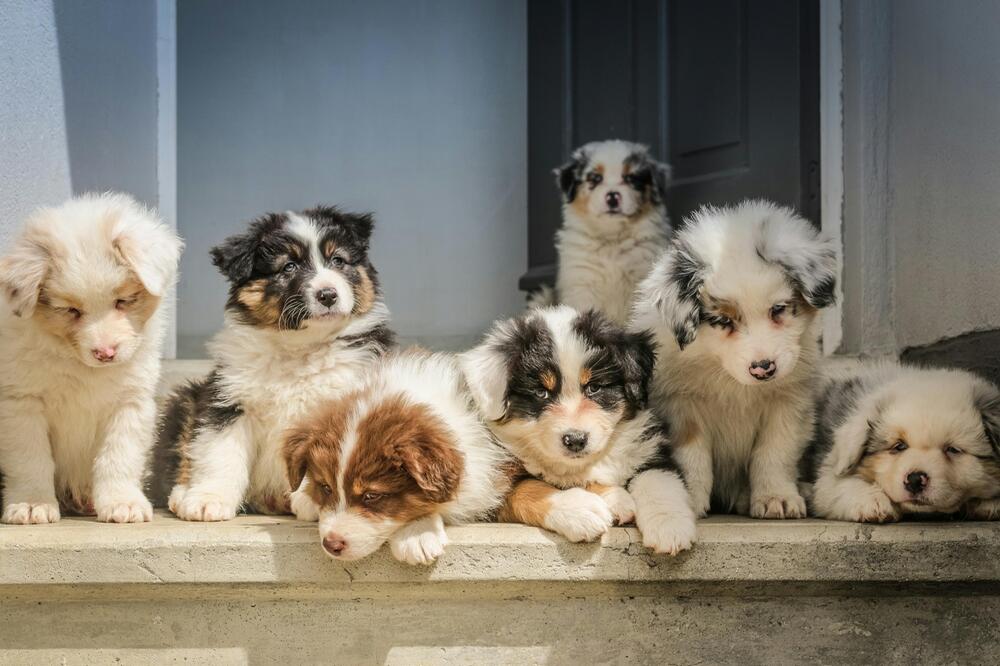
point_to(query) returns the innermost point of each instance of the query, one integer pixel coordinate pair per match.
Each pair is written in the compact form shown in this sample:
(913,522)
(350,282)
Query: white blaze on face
(324,277)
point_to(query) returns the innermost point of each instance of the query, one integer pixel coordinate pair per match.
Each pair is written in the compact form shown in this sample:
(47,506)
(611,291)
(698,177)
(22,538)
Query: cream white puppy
(80,338)
(733,303)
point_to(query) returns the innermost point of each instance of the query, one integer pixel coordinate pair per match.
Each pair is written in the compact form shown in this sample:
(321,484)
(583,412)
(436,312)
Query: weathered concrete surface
(259,590)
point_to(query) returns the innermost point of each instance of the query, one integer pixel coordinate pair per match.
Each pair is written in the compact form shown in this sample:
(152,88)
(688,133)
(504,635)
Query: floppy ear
(570,175)
(485,370)
(808,260)
(662,175)
(297,444)
(149,248)
(671,290)
(234,257)
(987,400)
(433,463)
(852,440)
(636,355)
(24,269)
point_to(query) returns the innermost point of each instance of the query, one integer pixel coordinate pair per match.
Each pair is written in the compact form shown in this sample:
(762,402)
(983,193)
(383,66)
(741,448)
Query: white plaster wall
(413,110)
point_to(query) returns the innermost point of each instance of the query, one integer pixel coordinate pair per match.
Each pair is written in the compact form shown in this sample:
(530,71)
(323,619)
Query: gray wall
(922,167)
(413,110)
(77,102)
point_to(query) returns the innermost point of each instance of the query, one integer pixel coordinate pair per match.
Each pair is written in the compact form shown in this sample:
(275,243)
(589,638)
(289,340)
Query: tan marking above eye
(329,247)
(585,376)
(548,380)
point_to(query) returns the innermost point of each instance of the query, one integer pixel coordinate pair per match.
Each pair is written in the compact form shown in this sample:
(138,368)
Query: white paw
(877,508)
(983,509)
(31,513)
(304,507)
(784,505)
(136,509)
(670,534)
(621,504)
(578,515)
(208,507)
(420,542)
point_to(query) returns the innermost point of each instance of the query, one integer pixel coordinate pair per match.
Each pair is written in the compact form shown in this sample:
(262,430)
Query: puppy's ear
(855,437)
(234,257)
(808,260)
(357,226)
(148,247)
(987,400)
(295,450)
(637,356)
(485,370)
(670,294)
(434,463)
(569,176)
(662,175)
(24,269)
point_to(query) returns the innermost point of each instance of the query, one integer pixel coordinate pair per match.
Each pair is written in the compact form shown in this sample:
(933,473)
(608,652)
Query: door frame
(831,132)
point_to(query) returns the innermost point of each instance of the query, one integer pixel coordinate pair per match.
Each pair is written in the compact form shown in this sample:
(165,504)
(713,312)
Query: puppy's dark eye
(371,498)
(74,313)
(325,489)
(541,394)
(123,303)
(338,262)
(899,446)
(290,267)
(594,178)
(953,451)
(592,389)
(778,310)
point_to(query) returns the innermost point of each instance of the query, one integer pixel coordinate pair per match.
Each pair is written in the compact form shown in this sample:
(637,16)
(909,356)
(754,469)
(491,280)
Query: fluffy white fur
(603,254)
(881,423)
(739,285)
(78,366)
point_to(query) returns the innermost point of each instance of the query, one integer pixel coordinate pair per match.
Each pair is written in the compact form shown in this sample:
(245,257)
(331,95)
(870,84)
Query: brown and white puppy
(733,303)
(80,339)
(614,226)
(396,460)
(305,322)
(895,440)
(565,392)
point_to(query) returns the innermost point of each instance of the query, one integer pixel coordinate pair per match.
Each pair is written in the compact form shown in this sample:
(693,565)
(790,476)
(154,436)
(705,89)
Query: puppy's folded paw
(304,507)
(125,510)
(578,515)
(621,504)
(778,506)
(31,513)
(421,542)
(208,507)
(983,509)
(877,508)
(669,535)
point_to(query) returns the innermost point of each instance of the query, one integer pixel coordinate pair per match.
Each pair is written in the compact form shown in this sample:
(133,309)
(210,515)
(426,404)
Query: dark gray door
(726,90)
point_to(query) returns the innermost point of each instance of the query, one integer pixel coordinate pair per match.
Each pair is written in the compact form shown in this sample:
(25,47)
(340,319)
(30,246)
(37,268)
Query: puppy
(894,440)
(395,461)
(614,226)
(565,392)
(80,340)
(733,302)
(304,322)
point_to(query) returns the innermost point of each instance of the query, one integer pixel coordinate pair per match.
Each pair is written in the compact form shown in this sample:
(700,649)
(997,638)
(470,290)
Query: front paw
(578,515)
(877,508)
(31,513)
(304,507)
(621,504)
(125,510)
(778,505)
(669,535)
(207,507)
(419,543)
(981,509)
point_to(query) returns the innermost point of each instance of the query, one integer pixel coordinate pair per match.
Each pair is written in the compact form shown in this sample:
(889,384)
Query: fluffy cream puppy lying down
(81,326)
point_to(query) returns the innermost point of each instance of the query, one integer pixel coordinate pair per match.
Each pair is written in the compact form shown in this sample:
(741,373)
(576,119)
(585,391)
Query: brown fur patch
(314,447)
(548,380)
(329,247)
(599,489)
(528,503)
(585,375)
(364,293)
(265,311)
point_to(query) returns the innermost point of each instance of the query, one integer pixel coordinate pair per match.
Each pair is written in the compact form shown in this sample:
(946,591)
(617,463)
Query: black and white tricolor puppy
(894,440)
(305,322)
(734,303)
(614,225)
(566,392)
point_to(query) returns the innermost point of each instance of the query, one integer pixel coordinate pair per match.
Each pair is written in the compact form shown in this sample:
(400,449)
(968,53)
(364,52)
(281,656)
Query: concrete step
(259,589)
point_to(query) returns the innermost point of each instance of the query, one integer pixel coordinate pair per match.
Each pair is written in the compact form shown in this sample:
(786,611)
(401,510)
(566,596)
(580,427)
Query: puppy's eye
(594,178)
(953,451)
(899,447)
(371,498)
(290,267)
(74,313)
(592,389)
(338,262)
(541,394)
(721,321)
(778,310)
(123,303)
(325,489)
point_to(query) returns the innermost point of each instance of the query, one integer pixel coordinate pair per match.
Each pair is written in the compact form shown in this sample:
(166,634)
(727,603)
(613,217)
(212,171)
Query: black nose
(575,440)
(613,199)
(327,297)
(916,482)
(763,369)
